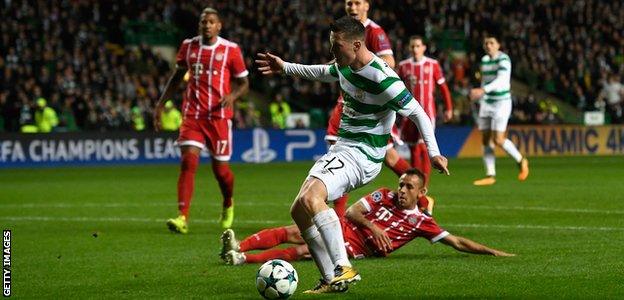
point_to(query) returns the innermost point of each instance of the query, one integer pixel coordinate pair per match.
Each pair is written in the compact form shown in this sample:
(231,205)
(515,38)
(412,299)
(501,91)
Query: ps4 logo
(261,151)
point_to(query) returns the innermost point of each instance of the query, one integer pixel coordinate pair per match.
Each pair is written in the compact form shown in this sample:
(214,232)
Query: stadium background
(102,66)
(97,62)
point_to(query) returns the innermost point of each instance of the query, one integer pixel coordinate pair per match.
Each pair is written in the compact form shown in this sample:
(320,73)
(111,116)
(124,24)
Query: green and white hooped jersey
(496,77)
(371,95)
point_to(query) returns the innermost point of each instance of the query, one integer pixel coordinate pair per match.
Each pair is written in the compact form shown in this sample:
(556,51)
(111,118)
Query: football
(276,279)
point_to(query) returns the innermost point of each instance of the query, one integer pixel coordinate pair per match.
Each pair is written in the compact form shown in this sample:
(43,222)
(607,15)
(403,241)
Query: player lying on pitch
(376,225)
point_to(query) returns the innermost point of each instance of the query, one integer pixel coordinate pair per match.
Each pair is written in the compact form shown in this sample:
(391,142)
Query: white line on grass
(288,203)
(152,220)
(115,219)
(536,208)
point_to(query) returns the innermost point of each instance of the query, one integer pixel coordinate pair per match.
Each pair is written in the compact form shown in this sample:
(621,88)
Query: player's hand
(269,64)
(448,115)
(156,117)
(476,94)
(499,253)
(228,101)
(381,239)
(441,164)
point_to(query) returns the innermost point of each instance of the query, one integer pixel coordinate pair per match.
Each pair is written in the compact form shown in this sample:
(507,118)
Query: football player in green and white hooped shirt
(373,93)
(494,97)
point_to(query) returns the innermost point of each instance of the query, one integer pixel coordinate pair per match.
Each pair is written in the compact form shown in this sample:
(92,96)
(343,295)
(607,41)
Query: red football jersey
(421,78)
(401,226)
(376,40)
(210,68)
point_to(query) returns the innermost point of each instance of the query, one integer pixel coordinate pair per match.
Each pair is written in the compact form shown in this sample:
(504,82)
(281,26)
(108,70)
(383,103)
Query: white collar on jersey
(368,21)
(411,211)
(219,41)
(420,62)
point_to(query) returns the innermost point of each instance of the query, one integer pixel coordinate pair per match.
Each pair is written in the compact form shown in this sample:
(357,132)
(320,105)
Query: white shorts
(494,116)
(343,169)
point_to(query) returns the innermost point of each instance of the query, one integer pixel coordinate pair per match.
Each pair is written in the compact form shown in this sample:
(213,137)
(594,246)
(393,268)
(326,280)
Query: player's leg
(288,254)
(266,238)
(313,238)
(219,134)
(337,172)
(340,205)
(424,164)
(191,142)
(500,139)
(414,160)
(225,178)
(489,159)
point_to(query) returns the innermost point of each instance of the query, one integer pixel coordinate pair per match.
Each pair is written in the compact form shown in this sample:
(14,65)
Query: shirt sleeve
(438,75)
(324,73)
(430,230)
(380,43)
(237,63)
(181,56)
(374,199)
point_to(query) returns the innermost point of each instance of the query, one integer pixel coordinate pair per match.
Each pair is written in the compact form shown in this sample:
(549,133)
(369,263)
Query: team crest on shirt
(219,56)
(412,220)
(376,196)
(426,69)
(359,94)
(193,55)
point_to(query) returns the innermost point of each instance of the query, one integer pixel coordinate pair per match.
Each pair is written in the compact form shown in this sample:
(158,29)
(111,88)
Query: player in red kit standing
(212,62)
(421,74)
(378,42)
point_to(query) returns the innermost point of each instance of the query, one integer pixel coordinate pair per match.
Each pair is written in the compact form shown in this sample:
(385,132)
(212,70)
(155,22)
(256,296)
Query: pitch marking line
(287,204)
(152,220)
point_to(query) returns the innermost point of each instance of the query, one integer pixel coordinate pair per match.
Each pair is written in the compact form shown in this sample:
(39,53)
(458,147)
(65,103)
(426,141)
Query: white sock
(328,225)
(489,160)
(511,149)
(319,253)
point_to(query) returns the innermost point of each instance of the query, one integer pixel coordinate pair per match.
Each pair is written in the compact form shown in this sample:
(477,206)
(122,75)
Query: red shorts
(214,134)
(355,246)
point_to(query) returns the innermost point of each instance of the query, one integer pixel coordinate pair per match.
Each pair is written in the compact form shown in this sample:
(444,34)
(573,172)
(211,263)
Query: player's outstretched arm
(172,83)
(465,245)
(269,64)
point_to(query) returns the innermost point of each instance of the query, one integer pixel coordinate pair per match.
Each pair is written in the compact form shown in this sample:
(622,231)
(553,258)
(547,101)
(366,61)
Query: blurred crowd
(73,54)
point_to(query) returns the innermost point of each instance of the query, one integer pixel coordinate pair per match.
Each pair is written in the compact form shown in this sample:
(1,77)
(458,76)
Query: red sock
(415,156)
(340,205)
(288,254)
(265,239)
(186,181)
(225,177)
(400,167)
(425,163)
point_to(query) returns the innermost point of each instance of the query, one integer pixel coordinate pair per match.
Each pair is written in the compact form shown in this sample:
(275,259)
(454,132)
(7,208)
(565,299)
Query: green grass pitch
(99,232)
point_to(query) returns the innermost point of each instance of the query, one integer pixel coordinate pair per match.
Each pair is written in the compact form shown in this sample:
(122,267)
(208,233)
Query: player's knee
(306,201)
(189,162)
(498,141)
